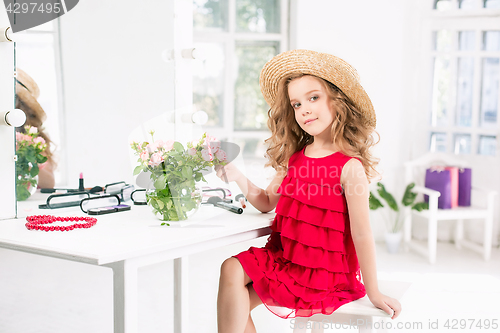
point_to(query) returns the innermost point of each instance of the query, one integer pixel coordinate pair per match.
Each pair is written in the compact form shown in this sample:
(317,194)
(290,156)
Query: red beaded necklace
(35,222)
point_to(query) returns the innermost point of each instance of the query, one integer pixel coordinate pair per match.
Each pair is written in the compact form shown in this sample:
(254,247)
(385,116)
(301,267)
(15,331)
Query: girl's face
(312,107)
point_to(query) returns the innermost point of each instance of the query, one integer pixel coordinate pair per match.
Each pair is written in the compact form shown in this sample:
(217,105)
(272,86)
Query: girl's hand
(386,303)
(228,173)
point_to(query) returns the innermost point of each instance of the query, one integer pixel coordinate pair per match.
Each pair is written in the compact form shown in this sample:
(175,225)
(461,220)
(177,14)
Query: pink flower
(214,146)
(151,148)
(144,155)
(192,151)
(158,144)
(33,130)
(168,145)
(207,155)
(221,155)
(156,159)
(210,138)
(19,136)
(39,140)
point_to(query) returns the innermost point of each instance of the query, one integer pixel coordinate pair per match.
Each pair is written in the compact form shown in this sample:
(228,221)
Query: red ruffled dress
(309,264)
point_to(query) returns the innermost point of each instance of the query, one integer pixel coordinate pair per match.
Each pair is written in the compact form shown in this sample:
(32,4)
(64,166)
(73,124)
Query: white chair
(415,172)
(360,313)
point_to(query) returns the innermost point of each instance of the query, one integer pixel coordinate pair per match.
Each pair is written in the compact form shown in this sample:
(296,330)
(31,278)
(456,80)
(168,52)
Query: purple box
(464,186)
(440,180)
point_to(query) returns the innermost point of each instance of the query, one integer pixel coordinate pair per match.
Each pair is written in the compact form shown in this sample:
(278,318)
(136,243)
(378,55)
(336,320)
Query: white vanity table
(126,241)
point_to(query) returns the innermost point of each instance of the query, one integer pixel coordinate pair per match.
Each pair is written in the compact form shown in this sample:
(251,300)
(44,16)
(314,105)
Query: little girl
(321,121)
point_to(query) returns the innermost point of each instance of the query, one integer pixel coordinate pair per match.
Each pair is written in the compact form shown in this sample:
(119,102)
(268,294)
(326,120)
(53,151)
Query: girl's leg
(233,301)
(254,301)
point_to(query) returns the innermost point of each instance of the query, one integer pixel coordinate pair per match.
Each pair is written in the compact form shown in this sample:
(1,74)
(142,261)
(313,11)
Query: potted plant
(394,216)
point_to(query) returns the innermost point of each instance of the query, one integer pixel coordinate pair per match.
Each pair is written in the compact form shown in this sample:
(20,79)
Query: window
(237,37)
(465,54)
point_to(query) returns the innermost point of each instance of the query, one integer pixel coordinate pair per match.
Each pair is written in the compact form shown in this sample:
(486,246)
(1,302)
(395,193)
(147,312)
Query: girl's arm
(357,193)
(46,175)
(264,200)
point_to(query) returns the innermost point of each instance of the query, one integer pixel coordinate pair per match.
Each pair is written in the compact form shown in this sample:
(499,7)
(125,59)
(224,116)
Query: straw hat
(323,65)
(27,92)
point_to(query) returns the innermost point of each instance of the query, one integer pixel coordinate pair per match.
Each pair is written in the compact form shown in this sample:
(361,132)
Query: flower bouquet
(29,150)
(174,171)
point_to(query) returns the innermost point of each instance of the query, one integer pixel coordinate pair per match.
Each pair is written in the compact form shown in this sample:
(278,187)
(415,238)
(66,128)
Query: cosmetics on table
(81,187)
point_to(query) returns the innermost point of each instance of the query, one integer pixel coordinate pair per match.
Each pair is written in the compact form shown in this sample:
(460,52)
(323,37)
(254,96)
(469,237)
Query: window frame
(454,20)
(229,39)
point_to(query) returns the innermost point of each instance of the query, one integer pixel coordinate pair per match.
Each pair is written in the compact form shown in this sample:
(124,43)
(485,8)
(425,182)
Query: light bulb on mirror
(198,117)
(15,118)
(6,34)
(194,53)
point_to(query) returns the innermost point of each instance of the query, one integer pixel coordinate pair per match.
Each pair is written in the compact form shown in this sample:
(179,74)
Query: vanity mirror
(112,75)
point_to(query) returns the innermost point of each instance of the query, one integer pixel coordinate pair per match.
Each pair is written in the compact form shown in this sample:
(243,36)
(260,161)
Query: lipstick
(81,187)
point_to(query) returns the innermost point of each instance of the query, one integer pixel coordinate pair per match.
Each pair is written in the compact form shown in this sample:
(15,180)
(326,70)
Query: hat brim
(323,65)
(35,115)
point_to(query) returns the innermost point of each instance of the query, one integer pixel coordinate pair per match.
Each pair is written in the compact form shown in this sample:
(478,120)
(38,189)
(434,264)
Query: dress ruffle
(323,196)
(325,218)
(309,263)
(279,290)
(309,234)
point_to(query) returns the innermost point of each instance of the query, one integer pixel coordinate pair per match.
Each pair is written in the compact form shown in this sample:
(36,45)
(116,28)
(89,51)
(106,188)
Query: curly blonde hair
(349,131)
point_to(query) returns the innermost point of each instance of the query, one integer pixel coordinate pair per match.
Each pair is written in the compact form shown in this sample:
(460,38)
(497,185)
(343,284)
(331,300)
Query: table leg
(181,294)
(125,298)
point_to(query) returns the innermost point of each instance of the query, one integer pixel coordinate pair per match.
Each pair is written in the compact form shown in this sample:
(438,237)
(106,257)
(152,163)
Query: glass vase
(25,186)
(174,208)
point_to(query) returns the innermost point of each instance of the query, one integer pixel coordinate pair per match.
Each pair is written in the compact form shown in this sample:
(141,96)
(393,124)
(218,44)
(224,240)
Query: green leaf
(160,204)
(178,147)
(187,172)
(160,183)
(138,169)
(34,170)
(387,197)
(22,192)
(409,196)
(374,202)
(420,206)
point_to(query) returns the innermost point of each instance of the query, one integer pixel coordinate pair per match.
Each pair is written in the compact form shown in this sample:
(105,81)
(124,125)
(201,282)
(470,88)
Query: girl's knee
(231,267)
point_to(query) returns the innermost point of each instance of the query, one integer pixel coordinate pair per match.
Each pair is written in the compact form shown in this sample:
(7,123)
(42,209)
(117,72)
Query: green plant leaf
(41,159)
(387,197)
(160,204)
(420,206)
(178,147)
(34,170)
(187,172)
(374,202)
(160,183)
(138,169)
(409,196)
(22,192)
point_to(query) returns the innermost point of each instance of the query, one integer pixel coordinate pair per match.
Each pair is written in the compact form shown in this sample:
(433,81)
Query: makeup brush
(217,202)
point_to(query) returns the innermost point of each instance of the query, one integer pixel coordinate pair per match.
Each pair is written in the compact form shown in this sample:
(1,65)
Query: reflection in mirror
(101,73)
